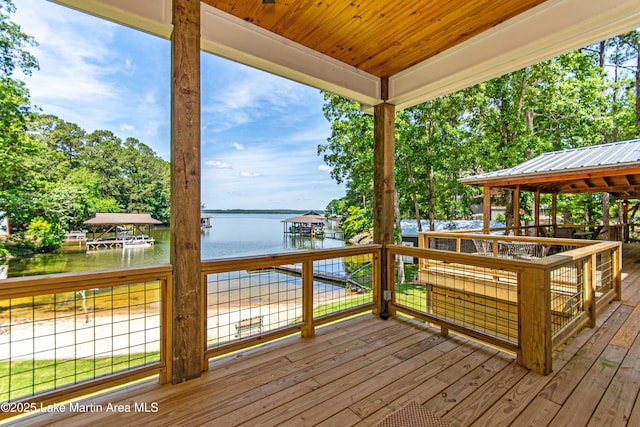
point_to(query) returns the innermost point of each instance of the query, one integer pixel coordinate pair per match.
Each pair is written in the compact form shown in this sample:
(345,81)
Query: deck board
(356,372)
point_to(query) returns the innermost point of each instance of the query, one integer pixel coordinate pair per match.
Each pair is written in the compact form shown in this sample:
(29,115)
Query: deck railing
(253,300)
(526,295)
(69,334)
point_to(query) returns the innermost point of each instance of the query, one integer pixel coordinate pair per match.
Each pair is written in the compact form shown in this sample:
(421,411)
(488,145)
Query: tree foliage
(53,174)
(582,98)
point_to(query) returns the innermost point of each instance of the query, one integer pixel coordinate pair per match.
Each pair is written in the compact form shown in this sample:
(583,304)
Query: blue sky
(259,132)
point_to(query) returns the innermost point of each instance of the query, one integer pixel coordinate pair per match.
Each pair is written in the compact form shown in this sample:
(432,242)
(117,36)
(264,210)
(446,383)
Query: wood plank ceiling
(376,36)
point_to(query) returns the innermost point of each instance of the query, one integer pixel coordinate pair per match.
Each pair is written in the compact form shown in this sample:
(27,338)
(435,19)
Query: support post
(554,213)
(383,188)
(486,210)
(516,209)
(536,212)
(188,313)
(589,274)
(534,313)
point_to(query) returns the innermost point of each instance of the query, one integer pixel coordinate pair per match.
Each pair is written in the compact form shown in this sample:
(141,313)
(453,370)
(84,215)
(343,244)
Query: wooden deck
(357,372)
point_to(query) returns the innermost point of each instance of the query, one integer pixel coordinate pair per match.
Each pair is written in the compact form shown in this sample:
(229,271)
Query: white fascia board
(151,16)
(233,38)
(548,30)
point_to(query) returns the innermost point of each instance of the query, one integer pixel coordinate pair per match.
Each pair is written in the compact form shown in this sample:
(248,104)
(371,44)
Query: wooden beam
(383,183)
(188,316)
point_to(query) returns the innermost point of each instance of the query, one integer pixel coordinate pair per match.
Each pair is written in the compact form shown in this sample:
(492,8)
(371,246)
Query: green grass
(28,377)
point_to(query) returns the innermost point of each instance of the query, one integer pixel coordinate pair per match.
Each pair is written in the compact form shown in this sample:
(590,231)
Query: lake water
(231,235)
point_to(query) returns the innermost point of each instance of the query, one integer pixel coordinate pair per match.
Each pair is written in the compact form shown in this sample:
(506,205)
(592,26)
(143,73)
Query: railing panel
(247,303)
(68,339)
(567,285)
(476,298)
(354,277)
(264,297)
(604,280)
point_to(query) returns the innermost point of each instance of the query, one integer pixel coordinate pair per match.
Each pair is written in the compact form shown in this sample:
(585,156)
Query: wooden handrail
(65,282)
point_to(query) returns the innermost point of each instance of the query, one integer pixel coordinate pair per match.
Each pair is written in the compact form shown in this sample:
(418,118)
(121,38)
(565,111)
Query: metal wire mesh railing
(476,298)
(55,340)
(567,286)
(604,280)
(342,284)
(245,303)
(272,295)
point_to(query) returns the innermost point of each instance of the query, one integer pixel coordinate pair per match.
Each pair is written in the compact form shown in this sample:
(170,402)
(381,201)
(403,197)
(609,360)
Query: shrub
(45,236)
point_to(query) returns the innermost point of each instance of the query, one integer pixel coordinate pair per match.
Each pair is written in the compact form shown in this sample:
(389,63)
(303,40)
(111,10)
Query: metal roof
(612,168)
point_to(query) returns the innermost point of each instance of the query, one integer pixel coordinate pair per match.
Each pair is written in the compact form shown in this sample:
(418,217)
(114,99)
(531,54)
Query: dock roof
(122,218)
(310,217)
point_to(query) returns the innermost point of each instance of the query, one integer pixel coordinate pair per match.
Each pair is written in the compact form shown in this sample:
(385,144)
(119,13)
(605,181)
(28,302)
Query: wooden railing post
(308,329)
(534,309)
(390,259)
(589,273)
(616,266)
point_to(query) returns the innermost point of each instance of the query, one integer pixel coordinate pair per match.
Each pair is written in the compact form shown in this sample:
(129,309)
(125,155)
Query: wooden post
(589,275)
(625,221)
(534,312)
(616,264)
(554,213)
(486,210)
(516,209)
(536,212)
(188,314)
(383,187)
(308,329)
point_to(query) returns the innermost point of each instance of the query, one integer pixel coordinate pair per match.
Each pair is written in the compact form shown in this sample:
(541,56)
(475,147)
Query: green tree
(18,175)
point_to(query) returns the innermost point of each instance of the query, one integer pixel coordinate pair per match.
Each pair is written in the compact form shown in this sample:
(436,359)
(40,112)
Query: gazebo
(612,168)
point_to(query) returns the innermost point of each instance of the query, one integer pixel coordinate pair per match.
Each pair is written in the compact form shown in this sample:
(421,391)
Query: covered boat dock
(121,230)
(309,224)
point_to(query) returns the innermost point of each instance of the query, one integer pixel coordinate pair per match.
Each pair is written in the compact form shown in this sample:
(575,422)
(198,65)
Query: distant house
(4,225)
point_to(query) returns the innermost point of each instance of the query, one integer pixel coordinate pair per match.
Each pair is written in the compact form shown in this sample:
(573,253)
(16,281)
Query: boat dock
(336,279)
(131,242)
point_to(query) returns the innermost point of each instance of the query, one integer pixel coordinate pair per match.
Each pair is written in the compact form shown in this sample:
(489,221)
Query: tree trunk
(432,201)
(605,208)
(414,196)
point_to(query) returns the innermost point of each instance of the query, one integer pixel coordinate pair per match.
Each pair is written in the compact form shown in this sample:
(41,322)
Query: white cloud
(325,168)
(238,146)
(217,164)
(249,174)
(97,74)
